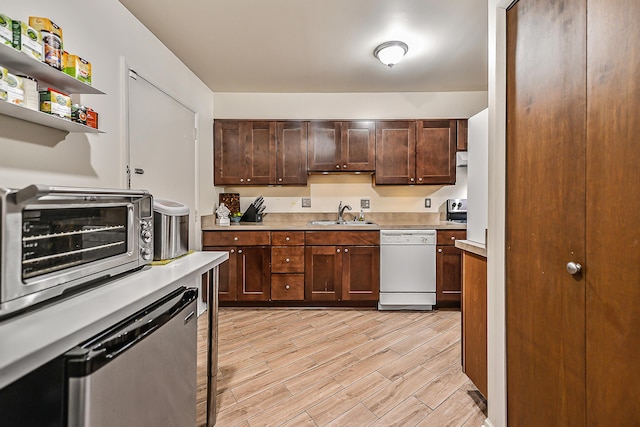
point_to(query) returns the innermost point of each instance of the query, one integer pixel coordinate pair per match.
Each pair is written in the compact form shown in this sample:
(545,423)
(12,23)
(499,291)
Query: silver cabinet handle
(279,179)
(338,250)
(239,251)
(287,260)
(453,238)
(419,179)
(344,166)
(235,238)
(233,251)
(287,239)
(346,250)
(287,287)
(573,267)
(440,250)
(138,171)
(337,166)
(412,179)
(241,179)
(248,179)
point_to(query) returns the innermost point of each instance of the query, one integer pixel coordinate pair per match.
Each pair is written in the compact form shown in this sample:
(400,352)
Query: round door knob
(232,251)
(573,267)
(412,179)
(279,179)
(440,250)
(344,166)
(346,250)
(338,250)
(420,179)
(241,180)
(453,238)
(239,251)
(287,287)
(248,179)
(287,239)
(287,260)
(337,166)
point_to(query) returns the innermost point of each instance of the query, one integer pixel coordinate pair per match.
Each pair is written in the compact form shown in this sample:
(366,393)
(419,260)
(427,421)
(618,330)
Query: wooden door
(436,145)
(324,146)
(395,152)
(360,273)
(448,276)
(291,153)
(358,146)
(323,273)
(545,306)
(613,210)
(260,152)
(254,273)
(227,274)
(228,154)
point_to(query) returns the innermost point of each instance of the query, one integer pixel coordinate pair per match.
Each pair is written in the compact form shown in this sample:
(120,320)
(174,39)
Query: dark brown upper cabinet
(341,146)
(416,152)
(244,152)
(291,153)
(463,134)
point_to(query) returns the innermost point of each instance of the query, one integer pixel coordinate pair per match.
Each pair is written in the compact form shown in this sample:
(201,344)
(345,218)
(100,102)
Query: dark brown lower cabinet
(246,276)
(448,276)
(342,273)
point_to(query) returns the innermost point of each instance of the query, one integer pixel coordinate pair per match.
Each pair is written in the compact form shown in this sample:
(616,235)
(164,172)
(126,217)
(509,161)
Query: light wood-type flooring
(307,367)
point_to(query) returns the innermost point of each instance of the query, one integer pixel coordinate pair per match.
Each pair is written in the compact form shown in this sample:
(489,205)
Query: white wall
(477,174)
(327,191)
(107,35)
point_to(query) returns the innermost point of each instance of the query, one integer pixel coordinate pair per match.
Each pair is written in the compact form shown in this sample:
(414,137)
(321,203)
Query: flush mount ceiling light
(390,53)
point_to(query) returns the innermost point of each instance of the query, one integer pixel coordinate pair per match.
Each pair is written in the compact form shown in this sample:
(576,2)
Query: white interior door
(162,145)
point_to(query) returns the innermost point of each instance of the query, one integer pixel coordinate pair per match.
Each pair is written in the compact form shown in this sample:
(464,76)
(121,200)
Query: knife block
(251,215)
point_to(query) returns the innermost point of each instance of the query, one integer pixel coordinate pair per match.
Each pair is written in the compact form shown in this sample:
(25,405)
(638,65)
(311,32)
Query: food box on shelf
(56,103)
(31,94)
(51,38)
(15,89)
(6,32)
(27,40)
(76,67)
(3,84)
(92,118)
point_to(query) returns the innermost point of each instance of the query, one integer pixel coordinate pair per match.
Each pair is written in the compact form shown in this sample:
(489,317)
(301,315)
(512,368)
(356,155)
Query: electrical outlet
(427,203)
(365,203)
(306,202)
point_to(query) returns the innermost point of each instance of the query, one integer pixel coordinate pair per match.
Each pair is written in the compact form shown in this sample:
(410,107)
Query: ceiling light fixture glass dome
(390,53)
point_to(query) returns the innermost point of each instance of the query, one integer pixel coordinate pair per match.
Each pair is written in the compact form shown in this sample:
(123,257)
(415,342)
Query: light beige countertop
(479,249)
(300,221)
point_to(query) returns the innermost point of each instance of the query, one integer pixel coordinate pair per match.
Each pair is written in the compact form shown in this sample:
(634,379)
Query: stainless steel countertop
(34,338)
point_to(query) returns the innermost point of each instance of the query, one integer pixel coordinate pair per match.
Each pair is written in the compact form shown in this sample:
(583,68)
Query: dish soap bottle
(361,216)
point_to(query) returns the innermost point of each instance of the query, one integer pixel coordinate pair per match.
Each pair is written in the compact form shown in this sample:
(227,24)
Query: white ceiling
(323,45)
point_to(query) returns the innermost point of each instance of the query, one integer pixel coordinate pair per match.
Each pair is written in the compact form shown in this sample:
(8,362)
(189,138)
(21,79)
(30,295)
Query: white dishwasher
(407,269)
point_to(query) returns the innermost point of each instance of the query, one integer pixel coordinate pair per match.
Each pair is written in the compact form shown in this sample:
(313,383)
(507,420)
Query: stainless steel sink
(334,222)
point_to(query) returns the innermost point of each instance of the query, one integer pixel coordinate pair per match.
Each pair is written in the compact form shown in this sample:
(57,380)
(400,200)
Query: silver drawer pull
(287,287)
(287,260)
(287,238)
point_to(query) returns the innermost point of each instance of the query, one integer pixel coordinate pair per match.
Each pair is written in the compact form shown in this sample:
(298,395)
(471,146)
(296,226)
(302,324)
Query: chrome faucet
(341,211)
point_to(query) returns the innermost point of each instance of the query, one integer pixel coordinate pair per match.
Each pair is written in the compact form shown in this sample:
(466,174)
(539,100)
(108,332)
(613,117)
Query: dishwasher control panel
(407,237)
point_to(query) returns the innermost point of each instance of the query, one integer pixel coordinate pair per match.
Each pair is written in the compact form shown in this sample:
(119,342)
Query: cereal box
(51,38)
(6,32)
(28,40)
(77,67)
(56,103)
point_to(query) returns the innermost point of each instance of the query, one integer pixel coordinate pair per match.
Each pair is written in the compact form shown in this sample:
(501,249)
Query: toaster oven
(54,240)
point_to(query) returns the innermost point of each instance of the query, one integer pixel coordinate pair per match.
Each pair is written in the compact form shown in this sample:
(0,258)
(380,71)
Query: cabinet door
(291,153)
(227,274)
(260,152)
(395,152)
(360,273)
(448,276)
(254,273)
(436,151)
(323,273)
(324,146)
(462,134)
(229,157)
(358,146)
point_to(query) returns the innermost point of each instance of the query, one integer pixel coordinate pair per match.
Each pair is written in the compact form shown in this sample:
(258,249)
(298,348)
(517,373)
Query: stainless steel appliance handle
(38,191)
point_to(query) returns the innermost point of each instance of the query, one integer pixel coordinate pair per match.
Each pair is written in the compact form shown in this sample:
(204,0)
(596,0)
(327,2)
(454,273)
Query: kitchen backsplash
(326,191)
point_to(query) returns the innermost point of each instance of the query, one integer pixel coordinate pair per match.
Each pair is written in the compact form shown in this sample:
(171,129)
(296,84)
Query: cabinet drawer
(342,238)
(236,238)
(449,237)
(287,259)
(287,238)
(287,287)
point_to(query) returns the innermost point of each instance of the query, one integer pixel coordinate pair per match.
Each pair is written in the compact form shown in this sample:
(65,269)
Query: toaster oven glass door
(56,239)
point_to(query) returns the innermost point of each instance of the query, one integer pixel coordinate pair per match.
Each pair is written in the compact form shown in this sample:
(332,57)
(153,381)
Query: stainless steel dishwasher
(140,372)
(407,269)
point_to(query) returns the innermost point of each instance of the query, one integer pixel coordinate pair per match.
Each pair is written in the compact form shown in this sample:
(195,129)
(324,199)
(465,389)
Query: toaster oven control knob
(146,236)
(146,253)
